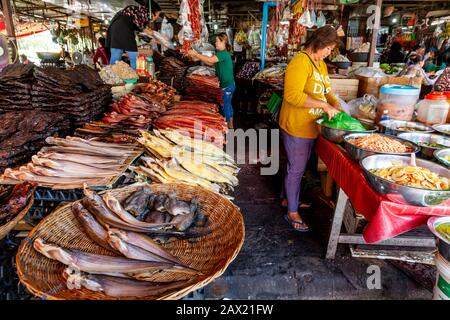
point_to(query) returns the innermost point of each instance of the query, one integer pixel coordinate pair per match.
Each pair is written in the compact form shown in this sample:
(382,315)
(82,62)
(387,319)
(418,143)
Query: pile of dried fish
(14,200)
(172,67)
(177,158)
(70,162)
(15,87)
(126,229)
(79,94)
(205,88)
(22,133)
(196,119)
(133,112)
(157,88)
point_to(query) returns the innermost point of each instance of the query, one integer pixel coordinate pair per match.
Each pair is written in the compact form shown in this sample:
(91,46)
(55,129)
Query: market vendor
(101,54)
(307,97)
(443,81)
(416,70)
(121,32)
(224,71)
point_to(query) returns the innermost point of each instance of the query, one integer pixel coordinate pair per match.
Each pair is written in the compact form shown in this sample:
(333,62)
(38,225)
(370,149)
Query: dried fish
(137,202)
(89,262)
(95,204)
(121,287)
(90,226)
(145,243)
(114,205)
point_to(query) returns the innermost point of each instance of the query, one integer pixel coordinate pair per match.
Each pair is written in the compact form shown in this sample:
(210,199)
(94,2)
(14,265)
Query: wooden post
(375,30)
(336,225)
(10,31)
(91,33)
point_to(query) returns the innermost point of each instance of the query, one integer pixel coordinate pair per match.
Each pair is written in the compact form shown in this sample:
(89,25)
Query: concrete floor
(276,262)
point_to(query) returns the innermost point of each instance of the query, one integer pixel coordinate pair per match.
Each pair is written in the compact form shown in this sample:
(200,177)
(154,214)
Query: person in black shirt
(121,32)
(396,54)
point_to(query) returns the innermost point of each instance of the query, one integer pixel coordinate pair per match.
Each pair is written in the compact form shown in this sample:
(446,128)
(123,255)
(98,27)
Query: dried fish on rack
(70,162)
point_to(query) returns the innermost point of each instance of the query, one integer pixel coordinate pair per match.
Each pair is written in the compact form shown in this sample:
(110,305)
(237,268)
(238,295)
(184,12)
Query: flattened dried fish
(121,287)
(89,262)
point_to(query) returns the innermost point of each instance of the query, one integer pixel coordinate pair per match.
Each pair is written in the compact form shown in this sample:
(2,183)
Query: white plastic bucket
(442,287)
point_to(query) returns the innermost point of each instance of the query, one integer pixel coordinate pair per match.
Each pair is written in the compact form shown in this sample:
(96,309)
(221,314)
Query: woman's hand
(330,111)
(192,53)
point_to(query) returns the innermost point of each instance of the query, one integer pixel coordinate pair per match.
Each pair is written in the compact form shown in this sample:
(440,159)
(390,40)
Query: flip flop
(292,222)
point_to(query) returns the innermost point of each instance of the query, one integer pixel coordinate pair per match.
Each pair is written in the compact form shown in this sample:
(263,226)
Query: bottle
(150,67)
(385,115)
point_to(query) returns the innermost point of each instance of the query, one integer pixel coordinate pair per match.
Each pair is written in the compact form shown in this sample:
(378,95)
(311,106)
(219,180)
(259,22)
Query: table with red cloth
(387,216)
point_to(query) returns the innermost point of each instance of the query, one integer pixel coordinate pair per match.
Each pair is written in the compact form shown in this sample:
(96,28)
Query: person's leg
(298,151)
(227,103)
(116,55)
(132,55)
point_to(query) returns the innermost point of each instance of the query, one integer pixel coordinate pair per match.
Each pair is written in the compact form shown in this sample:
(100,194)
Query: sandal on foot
(292,223)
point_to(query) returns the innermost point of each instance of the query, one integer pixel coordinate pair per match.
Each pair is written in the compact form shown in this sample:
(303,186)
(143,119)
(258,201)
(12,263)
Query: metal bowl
(358,153)
(443,128)
(420,138)
(337,136)
(391,127)
(443,244)
(49,55)
(414,196)
(438,154)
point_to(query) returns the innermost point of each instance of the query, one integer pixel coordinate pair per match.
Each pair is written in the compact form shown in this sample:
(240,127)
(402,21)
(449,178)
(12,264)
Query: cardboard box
(346,89)
(372,85)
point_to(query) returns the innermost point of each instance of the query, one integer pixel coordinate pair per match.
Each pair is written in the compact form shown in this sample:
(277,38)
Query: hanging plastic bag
(343,121)
(321,20)
(313,18)
(305,19)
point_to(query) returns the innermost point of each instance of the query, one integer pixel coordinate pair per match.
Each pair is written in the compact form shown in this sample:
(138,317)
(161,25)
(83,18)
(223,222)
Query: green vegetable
(343,121)
(444,230)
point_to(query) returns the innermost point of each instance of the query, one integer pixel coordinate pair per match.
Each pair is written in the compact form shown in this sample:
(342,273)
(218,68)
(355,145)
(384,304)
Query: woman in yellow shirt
(307,97)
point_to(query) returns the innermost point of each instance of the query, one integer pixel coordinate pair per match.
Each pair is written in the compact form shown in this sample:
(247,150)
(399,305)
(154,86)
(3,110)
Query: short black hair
(155,7)
(102,41)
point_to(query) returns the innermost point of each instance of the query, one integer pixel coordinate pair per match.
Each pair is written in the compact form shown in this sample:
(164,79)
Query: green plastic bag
(343,121)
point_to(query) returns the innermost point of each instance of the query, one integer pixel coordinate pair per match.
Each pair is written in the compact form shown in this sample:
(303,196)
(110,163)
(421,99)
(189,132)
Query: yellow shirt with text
(303,79)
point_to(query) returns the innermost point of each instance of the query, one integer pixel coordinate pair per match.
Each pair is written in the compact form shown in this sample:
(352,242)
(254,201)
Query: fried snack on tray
(415,177)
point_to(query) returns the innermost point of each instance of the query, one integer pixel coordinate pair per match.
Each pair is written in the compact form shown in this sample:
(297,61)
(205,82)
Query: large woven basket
(211,254)
(6,228)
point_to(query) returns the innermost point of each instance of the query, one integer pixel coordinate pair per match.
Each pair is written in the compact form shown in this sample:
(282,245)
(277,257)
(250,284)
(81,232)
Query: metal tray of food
(414,196)
(395,127)
(443,128)
(337,135)
(428,142)
(357,153)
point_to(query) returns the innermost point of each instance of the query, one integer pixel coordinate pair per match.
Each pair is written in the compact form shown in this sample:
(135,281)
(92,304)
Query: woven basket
(211,254)
(5,229)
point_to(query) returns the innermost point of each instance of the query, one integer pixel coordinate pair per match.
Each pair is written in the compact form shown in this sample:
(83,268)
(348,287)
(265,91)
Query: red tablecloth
(388,216)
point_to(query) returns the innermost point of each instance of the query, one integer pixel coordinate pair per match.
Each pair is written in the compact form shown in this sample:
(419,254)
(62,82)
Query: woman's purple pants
(298,151)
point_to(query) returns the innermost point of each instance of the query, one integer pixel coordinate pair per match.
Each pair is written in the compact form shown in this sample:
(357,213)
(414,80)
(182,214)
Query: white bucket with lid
(442,260)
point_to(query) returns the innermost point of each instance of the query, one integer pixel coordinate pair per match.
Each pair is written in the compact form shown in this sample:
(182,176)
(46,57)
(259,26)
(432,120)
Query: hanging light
(394,20)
